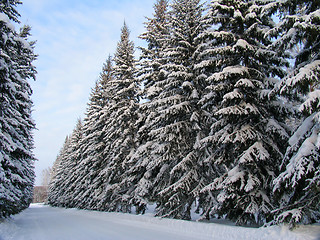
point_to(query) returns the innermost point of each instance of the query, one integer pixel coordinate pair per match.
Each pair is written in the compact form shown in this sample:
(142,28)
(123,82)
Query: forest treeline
(220,115)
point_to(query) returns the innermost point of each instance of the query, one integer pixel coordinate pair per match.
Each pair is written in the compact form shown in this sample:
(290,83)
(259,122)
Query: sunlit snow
(41,222)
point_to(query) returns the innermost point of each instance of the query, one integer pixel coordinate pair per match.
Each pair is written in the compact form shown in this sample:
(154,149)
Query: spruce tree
(71,164)
(186,116)
(120,132)
(151,57)
(157,31)
(16,140)
(168,172)
(248,135)
(298,185)
(89,187)
(57,171)
(67,161)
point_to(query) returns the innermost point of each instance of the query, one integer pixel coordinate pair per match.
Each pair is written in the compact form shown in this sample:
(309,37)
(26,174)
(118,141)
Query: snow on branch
(243,135)
(255,153)
(235,94)
(241,109)
(312,103)
(309,74)
(242,45)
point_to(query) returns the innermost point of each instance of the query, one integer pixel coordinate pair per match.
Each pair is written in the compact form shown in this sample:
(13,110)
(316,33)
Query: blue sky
(74,38)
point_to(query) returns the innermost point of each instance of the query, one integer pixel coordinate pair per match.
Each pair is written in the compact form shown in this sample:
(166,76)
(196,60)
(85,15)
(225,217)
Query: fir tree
(66,163)
(186,174)
(151,58)
(149,73)
(71,163)
(89,186)
(57,171)
(168,172)
(120,129)
(247,137)
(298,184)
(16,141)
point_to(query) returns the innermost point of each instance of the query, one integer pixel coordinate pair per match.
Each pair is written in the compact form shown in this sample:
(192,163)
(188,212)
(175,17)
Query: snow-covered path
(41,222)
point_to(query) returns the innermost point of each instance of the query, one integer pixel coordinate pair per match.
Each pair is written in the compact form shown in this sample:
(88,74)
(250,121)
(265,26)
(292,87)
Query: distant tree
(40,194)
(88,186)
(70,164)
(298,185)
(249,132)
(55,170)
(16,141)
(46,176)
(60,190)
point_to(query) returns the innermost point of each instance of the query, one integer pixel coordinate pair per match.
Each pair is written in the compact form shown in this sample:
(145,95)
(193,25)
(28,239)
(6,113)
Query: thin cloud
(73,41)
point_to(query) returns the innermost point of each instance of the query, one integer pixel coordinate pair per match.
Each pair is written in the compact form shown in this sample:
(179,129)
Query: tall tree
(298,185)
(64,168)
(94,158)
(157,31)
(169,174)
(16,141)
(184,117)
(247,137)
(120,129)
(57,170)
(69,166)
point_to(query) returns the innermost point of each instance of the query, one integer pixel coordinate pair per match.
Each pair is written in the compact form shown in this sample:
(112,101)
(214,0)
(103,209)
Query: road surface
(45,223)
(40,222)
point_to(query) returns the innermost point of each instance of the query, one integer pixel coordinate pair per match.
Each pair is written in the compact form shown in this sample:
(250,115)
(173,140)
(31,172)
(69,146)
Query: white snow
(313,99)
(241,43)
(309,72)
(43,222)
(302,130)
(4,18)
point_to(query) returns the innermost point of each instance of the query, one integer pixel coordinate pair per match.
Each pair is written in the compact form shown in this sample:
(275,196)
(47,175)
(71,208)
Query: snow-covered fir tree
(169,173)
(16,141)
(71,163)
(157,31)
(57,172)
(60,190)
(120,129)
(186,175)
(89,187)
(248,137)
(299,183)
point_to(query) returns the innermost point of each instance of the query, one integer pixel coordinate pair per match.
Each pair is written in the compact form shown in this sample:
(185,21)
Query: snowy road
(45,223)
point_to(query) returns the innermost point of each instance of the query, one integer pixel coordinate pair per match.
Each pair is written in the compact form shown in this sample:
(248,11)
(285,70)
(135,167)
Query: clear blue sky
(74,38)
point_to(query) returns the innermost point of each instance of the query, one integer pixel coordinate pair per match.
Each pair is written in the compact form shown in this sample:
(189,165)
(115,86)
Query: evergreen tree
(139,185)
(89,188)
(169,174)
(71,163)
(57,170)
(16,141)
(151,58)
(186,174)
(60,191)
(248,134)
(120,129)
(298,185)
